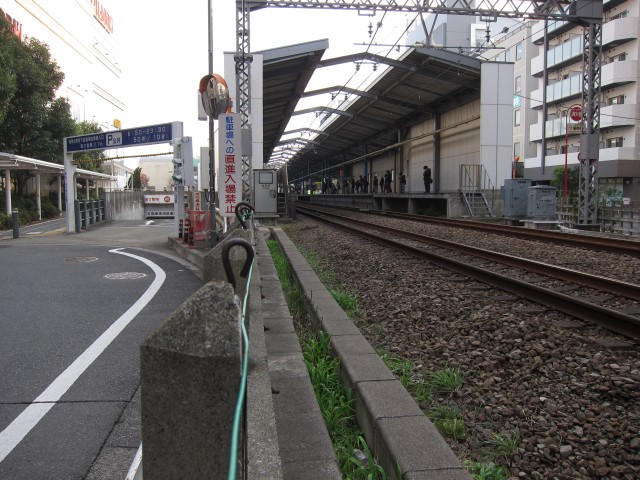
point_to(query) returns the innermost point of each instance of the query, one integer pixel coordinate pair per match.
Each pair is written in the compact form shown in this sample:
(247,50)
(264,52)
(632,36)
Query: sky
(164,52)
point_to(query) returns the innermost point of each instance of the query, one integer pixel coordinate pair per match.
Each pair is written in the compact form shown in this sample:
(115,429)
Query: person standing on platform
(403,182)
(375,183)
(426,175)
(387,182)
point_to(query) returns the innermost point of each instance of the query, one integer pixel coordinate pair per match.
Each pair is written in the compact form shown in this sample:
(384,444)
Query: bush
(49,210)
(5,221)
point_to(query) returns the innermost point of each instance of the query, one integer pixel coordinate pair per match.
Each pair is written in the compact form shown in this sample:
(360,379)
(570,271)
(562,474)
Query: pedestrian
(365,185)
(375,183)
(387,182)
(426,176)
(403,182)
(358,185)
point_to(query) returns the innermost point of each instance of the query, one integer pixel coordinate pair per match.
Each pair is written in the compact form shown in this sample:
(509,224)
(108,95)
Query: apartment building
(619,162)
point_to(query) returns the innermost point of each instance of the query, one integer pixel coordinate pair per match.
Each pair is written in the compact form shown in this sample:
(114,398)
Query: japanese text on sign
(230,164)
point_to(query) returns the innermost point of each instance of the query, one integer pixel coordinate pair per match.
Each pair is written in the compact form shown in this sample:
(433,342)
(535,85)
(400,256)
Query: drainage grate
(125,276)
(81,259)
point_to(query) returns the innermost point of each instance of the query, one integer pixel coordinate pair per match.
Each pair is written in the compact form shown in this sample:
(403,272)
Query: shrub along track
(544,400)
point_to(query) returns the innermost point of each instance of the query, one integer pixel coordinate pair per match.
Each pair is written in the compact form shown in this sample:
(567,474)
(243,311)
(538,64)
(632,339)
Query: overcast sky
(164,51)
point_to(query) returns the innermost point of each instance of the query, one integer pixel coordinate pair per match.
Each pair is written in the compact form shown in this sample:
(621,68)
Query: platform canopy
(423,82)
(10,161)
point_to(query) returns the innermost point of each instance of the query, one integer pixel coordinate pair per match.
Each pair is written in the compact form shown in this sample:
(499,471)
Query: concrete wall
(124,205)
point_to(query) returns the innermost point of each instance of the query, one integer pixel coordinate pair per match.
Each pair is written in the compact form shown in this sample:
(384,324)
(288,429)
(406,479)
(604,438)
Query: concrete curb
(400,435)
(304,443)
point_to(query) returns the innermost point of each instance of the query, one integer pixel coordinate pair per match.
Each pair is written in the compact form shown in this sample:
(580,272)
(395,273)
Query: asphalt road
(73,311)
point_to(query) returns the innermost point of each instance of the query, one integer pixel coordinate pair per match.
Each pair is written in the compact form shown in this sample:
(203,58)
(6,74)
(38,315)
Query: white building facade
(619,163)
(82,39)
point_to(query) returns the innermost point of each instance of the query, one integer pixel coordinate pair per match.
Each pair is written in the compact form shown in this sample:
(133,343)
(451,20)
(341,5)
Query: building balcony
(563,90)
(554,28)
(618,153)
(558,56)
(619,73)
(619,31)
(555,128)
(615,116)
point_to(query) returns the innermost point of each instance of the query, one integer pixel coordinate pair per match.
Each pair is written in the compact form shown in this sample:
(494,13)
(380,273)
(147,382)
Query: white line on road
(11,436)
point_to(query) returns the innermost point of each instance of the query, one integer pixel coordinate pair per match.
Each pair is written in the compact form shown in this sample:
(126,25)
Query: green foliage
(447,380)
(486,471)
(335,404)
(89,160)
(399,366)
(347,301)
(573,180)
(448,421)
(134,180)
(503,445)
(27,210)
(33,122)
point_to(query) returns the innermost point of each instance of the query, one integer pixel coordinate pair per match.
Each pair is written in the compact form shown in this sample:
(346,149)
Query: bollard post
(185,236)
(15,216)
(85,218)
(92,212)
(76,204)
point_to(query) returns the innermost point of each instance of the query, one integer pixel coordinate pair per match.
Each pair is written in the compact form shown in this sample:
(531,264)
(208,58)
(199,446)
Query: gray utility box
(542,202)
(516,196)
(265,191)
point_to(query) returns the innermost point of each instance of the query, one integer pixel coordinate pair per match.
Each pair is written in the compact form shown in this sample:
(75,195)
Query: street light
(575,112)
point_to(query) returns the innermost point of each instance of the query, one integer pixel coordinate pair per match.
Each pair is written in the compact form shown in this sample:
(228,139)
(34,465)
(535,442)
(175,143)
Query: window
(516,151)
(518,84)
(619,100)
(517,117)
(619,15)
(618,58)
(614,142)
(507,55)
(519,51)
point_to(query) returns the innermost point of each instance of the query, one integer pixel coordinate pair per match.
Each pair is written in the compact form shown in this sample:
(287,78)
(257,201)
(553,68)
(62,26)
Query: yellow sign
(116,123)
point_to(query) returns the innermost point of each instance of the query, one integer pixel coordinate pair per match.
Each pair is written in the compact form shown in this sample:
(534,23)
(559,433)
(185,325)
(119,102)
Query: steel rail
(598,282)
(609,319)
(610,245)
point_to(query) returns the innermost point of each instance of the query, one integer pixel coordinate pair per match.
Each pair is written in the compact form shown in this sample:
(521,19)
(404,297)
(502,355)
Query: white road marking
(11,436)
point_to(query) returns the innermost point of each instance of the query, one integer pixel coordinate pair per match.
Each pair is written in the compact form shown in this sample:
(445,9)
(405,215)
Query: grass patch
(486,471)
(399,366)
(447,380)
(354,456)
(503,445)
(447,420)
(347,301)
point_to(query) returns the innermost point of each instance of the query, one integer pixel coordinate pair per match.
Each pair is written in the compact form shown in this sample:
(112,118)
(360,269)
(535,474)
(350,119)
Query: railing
(620,219)
(474,182)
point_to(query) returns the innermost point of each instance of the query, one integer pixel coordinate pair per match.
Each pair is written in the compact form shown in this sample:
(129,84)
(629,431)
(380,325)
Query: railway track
(603,244)
(506,272)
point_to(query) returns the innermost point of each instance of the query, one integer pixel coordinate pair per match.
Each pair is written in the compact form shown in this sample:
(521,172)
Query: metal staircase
(474,182)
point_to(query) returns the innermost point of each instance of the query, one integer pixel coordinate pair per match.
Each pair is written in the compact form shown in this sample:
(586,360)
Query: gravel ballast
(538,375)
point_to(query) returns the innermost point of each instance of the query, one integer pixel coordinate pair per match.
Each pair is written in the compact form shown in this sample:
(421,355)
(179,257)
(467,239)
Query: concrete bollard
(15,217)
(190,375)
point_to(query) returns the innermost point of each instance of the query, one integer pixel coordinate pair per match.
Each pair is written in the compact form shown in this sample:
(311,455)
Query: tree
(32,121)
(573,177)
(135,179)
(144,180)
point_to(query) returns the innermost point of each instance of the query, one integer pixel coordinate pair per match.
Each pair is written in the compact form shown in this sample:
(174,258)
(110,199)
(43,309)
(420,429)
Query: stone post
(190,375)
